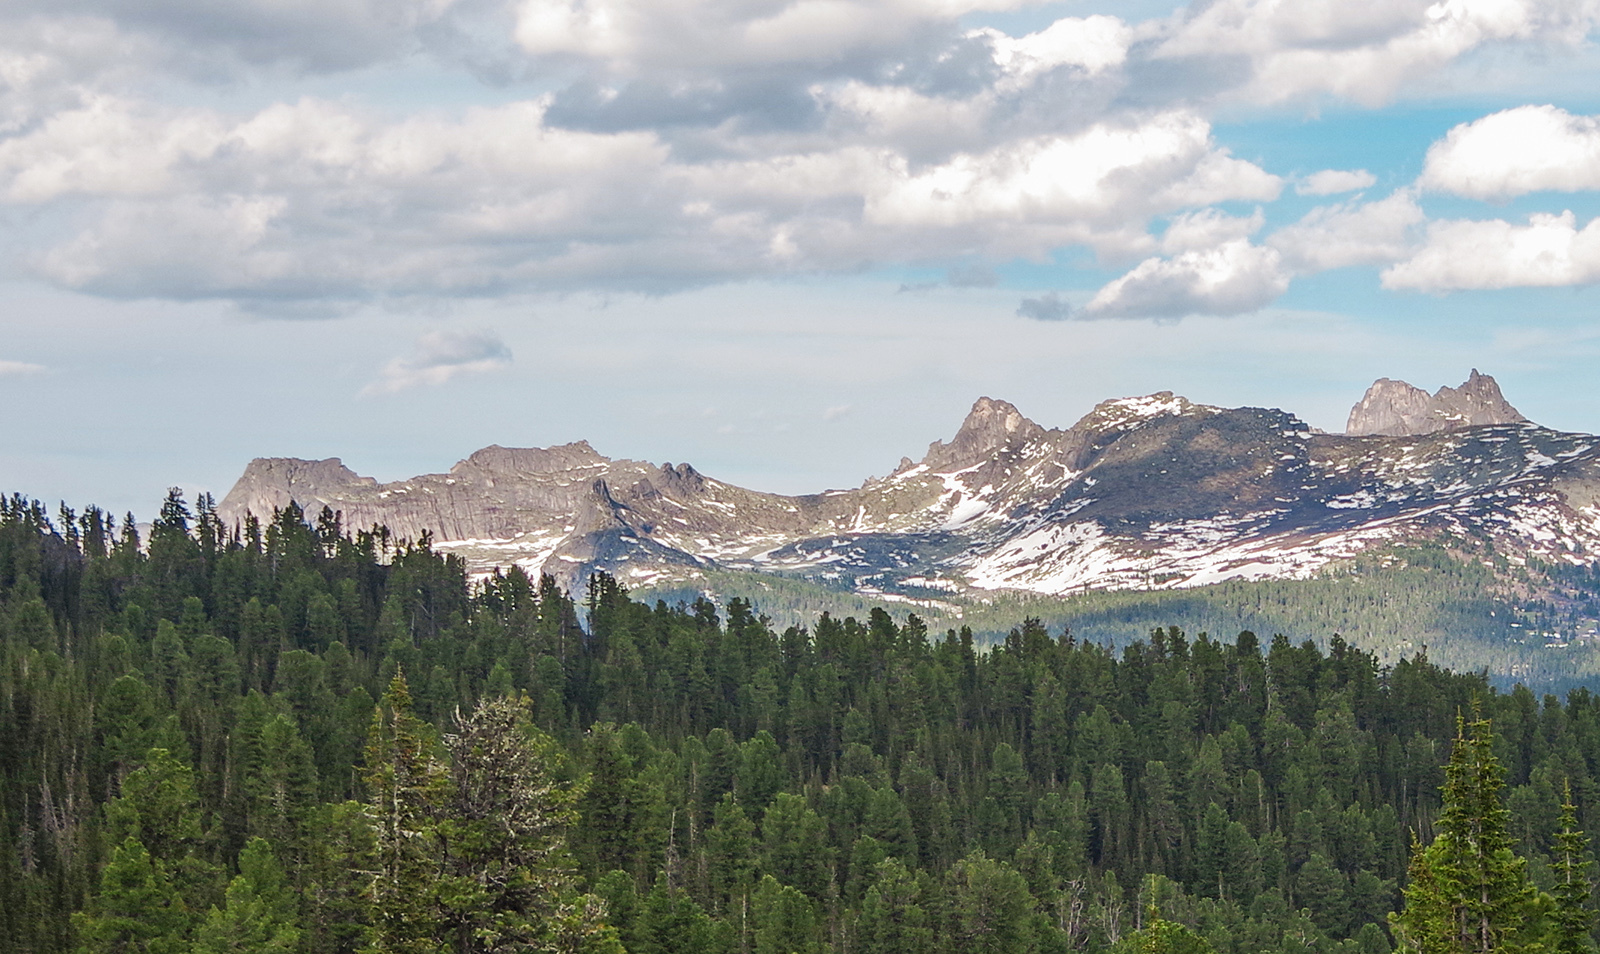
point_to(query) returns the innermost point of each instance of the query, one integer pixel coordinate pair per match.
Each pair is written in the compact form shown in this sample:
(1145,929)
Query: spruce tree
(507,880)
(1573,915)
(1469,893)
(259,916)
(137,908)
(406,785)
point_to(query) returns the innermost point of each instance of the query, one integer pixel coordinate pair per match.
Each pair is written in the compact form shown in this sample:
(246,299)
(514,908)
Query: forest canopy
(299,737)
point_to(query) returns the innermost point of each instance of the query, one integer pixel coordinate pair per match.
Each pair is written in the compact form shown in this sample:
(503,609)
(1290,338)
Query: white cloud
(1335,181)
(17,369)
(1514,152)
(1463,254)
(1208,228)
(1092,44)
(106,147)
(1088,188)
(1047,307)
(676,142)
(315,199)
(440,356)
(630,35)
(1364,50)
(1336,236)
(203,37)
(1231,278)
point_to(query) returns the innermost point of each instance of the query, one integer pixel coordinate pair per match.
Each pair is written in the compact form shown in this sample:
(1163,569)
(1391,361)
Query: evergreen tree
(137,910)
(259,915)
(989,907)
(784,918)
(894,917)
(1469,893)
(507,880)
(1574,913)
(406,785)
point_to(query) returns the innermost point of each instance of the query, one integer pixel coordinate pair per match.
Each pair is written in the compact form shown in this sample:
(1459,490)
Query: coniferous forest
(302,737)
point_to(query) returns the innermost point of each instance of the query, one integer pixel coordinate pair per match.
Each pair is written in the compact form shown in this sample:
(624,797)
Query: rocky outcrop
(989,426)
(1142,491)
(1397,409)
(1475,403)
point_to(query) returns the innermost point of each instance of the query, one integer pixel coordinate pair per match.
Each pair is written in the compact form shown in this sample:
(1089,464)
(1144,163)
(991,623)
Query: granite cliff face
(1396,409)
(1146,491)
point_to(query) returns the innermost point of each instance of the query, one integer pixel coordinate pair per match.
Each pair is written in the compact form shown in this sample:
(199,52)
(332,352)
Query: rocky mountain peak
(1477,401)
(1397,409)
(495,459)
(990,425)
(1146,490)
(1118,415)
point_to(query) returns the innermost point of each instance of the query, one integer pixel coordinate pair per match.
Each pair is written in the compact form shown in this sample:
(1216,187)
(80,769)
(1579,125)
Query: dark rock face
(1396,409)
(1152,490)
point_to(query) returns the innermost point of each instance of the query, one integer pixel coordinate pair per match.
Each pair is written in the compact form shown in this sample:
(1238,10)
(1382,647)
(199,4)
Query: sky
(787,241)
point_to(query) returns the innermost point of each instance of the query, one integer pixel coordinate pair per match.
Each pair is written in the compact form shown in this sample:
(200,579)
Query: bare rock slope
(1146,491)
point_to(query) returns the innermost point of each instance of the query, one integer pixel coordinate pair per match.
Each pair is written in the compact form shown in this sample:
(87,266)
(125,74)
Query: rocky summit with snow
(1142,492)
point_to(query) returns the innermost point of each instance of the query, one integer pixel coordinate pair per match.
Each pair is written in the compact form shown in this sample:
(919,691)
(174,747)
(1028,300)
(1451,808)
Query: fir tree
(259,916)
(508,881)
(405,787)
(1573,914)
(137,909)
(1469,893)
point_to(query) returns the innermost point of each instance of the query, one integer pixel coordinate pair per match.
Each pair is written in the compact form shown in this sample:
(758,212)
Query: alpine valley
(1445,519)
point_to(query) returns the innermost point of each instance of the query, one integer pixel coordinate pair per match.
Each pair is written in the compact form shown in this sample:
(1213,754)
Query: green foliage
(406,786)
(505,881)
(1573,913)
(259,916)
(1468,607)
(191,758)
(136,909)
(1469,891)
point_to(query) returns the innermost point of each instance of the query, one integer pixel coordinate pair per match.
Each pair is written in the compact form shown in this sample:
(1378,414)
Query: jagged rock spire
(990,425)
(1397,409)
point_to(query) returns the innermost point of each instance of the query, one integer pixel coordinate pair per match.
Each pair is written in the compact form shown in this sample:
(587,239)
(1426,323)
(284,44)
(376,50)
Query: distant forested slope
(1471,611)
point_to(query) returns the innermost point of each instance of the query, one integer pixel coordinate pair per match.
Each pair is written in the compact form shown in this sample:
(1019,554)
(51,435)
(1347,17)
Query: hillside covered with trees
(298,738)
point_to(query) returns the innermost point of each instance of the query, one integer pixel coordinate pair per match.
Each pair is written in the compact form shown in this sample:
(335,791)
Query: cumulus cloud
(1091,44)
(199,36)
(1089,188)
(676,143)
(1464,254)
(317,199)
(1212,267)
(628,36)
(1363,50)
(1514,152)
(440,356)
(1335,181)
(1208,228)
(1231,278)
(1355,233)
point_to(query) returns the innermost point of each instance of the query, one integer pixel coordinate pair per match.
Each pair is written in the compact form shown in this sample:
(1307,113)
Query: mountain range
(1143,492)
